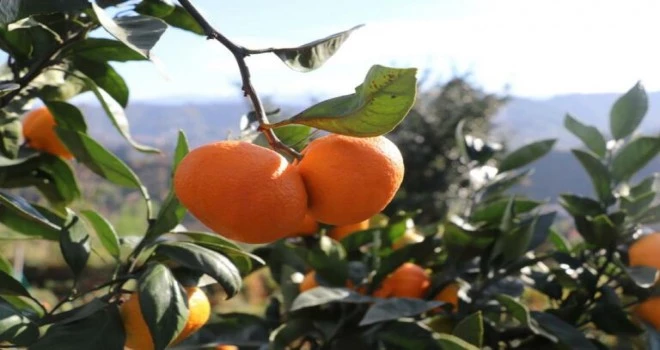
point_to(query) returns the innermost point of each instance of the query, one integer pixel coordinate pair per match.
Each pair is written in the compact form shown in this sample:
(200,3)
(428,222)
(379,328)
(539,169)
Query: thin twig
(240,53)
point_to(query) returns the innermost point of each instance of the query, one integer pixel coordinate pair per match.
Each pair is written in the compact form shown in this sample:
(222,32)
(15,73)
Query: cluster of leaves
(501,249)
(53,58)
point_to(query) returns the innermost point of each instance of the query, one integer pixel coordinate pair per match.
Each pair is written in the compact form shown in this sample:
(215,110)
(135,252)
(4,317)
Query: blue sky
(535,48)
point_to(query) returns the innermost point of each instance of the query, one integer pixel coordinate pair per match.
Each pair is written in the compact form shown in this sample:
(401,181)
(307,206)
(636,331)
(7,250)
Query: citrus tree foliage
(487,259)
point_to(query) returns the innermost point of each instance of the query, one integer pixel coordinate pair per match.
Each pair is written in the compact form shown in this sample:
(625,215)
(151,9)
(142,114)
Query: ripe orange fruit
(138,336)
(449,294)
(242,191)
(339,232)
(39,133)
(350,179)
(645,252)
(408,281)
(307,227)
(308,282)
(226,347)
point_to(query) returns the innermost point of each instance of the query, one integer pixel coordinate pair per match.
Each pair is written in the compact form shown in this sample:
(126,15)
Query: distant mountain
(525,120)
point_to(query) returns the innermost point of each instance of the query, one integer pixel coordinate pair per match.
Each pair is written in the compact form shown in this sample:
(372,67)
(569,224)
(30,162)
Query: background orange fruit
(407,281)
(646,252)
(39,134)
(339,232)
(308,282)
(138,336)
(242,191)
(350,179)
(449,294)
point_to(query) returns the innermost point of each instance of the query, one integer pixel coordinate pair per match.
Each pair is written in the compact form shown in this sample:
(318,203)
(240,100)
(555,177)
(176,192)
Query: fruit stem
(240,53)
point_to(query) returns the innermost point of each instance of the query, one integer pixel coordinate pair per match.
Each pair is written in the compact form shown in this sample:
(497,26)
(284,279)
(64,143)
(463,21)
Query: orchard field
(392,217)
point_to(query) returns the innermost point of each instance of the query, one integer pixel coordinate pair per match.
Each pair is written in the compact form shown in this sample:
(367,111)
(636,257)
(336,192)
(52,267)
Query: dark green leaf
(326,295)
(105,232)
(376,108)
(163,304)
(634,156)
(10,137)
(506,221)
(289,332)
(105,78)
(526,154)
(459,136)
(13,10)
(580,206)
(5,88)
(75,246)
(171,212)
(313,55)
(140,33)
(634,206)
(650,215)
(240,258)
(103,330)
(628,111)
(10,286)
(590,136)
(600,176)
(567,335)
(516,310)
(155,8)
(22,217)
(471,329)
(67,115)
(177,17)
(104,50)
(396,308)
(99,160)
(559,241)
(504,181)
(643,187)
(328,259)
(493,211)
(15,328)
(201,259)
(541,229)
(612,319)
(451,342)
(403,334)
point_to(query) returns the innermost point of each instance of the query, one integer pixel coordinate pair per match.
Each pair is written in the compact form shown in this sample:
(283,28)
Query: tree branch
(240,53)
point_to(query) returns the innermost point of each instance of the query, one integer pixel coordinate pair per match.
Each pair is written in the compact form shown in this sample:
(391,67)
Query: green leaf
(644,186)
(559,242)
(105,232)
(75,246)
(102,330)
(516,310)
(504,181)
(201,259)
(401,334)
(105,77)
(176,17)
(116,114)
(20,216)
(10,286)
(376,108)
(313,55)
(471,329)
(155,8)
(506,221)
(526,154)
(567,334)
(163,304)
(6,266)
(650,215)
(600,175)
(541,229)
(99,160)
(328,259)
(104,50)
(634,156)
(13,10)
(240,258)
(634,206)
(6,88)
(451,342)
(321,295)
(10,137)
(294,136)
(580,206)
(613,319)
(605,230)
(628,111)
(288,332)
(15,328)
(67,115)
(171,212)
(140,33)
(590,136)
(396,308)
(493,211)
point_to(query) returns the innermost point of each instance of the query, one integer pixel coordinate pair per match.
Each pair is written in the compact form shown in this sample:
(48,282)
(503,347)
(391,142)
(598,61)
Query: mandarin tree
(303,201)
